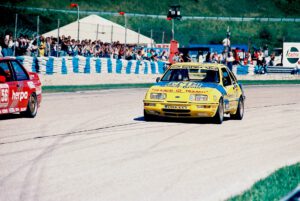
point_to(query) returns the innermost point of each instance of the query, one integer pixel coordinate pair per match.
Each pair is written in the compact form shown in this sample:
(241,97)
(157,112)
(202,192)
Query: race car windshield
(196,74)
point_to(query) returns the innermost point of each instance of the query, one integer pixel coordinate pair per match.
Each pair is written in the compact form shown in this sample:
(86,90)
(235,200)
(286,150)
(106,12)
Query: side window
(20,72)
(226,77)
(233,78)
(5,71)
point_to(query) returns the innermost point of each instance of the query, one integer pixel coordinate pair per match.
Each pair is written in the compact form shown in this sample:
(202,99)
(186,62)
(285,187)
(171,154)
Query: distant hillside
(237,8)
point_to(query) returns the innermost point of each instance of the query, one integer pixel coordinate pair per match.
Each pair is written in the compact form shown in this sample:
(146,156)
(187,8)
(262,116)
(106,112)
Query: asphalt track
(96,146)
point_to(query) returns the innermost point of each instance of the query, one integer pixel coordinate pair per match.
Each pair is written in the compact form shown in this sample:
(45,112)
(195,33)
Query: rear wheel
(32,106)
(239,111)
(219,116)
(148,117)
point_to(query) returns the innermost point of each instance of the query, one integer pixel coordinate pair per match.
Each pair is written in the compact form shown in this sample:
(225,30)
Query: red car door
(21,90)
(6,88)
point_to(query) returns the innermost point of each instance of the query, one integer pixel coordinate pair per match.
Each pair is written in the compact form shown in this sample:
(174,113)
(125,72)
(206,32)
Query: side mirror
(2,79)
(157,79)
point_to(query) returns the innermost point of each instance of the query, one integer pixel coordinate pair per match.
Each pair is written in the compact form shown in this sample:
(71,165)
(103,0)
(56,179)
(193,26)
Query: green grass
(74,88)
(273,187)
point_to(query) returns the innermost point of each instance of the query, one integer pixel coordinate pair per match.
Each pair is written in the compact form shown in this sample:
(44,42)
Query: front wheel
(239,111)
(219,116)
(32,106)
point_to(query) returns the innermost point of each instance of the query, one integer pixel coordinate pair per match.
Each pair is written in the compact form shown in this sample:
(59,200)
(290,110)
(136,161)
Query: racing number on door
(4,95)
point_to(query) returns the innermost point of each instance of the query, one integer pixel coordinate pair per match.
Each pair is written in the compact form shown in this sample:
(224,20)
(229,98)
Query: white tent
(97,28)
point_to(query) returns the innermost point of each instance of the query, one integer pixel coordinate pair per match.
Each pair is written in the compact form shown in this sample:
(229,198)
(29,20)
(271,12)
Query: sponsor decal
(19,95)
(11,110)
(4,111)
(23,109)
(293,55)
(31,85)
(192,85)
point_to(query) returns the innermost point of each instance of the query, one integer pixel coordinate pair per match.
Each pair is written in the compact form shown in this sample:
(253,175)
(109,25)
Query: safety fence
(90,65)
(93,65)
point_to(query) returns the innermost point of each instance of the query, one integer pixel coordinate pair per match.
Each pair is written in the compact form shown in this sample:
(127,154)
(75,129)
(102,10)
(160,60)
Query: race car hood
(187,87)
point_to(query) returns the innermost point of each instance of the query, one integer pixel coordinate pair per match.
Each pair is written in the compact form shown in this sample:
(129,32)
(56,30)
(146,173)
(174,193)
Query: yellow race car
(193,90)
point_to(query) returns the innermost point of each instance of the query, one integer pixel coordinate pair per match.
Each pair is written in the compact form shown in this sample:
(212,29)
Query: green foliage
(257,34)
(253,8)
(274,187)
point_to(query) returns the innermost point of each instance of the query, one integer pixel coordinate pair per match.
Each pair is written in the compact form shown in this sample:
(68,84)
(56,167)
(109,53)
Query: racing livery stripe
(192,85)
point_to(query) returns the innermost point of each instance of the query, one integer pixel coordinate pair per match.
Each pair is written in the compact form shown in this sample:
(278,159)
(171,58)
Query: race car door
(21,94)
(6,88)
(229,98)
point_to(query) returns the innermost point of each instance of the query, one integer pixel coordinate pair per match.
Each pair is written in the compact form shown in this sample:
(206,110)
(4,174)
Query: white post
(78,22)
(58,25)
(125,29)
(151,32)
(139,36)
(173,31)
(111,34)
(97,32)
(16,26)
(163,37)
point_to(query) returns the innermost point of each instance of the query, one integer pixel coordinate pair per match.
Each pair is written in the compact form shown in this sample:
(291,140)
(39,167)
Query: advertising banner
(291,54)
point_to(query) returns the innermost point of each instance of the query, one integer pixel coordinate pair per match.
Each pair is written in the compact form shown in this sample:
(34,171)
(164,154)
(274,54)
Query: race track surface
(96,146)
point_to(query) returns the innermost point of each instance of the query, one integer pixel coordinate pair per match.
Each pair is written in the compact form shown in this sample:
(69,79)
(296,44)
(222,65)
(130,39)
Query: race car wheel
(219,116)
(148,117)
(239,111)
(32,106)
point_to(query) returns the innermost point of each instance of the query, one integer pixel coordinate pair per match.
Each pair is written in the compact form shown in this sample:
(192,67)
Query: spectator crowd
(66,46)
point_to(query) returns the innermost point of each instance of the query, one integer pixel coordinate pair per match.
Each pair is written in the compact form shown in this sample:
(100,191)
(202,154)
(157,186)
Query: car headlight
(158,96)
(198,97)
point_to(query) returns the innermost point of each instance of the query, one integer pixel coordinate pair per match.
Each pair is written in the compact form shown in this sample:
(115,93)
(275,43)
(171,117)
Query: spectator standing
(230,60)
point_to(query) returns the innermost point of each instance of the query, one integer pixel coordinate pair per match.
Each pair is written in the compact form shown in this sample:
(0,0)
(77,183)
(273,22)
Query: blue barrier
(49,66)
(98,66)
(146,68)
(119,66)
(87,68)
(64,66)
(137,67)
(128,68)
(242,70)
(153,68)
(109,66)
(75,62)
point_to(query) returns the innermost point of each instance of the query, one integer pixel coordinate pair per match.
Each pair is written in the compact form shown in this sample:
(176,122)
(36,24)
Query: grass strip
(274,187)
(73,88)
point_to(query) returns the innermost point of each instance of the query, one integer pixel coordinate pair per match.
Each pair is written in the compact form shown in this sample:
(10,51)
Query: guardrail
(89,65)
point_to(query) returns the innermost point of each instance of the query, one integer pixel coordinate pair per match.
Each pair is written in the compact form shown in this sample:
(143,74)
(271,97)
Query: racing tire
(219,116)
(32,107)
(148,117)
(239,111)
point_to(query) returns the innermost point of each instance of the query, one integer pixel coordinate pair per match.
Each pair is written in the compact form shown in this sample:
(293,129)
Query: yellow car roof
(196,65)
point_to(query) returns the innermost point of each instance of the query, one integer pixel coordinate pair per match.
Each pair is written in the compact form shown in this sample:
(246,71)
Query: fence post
(16,27)
(163,37)
(111,33)
(139,36)
(58,25)
(97,32)
(38,33)
(151,37)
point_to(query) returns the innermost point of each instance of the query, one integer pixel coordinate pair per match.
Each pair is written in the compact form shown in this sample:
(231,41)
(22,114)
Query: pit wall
(55,71)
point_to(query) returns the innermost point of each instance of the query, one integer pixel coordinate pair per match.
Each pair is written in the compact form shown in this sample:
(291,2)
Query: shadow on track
(11,116)
(180,120)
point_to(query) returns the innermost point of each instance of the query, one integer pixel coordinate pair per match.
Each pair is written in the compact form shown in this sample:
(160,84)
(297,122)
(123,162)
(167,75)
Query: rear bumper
(180,110)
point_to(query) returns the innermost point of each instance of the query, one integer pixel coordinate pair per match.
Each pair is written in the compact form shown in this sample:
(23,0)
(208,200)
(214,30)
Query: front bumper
(180,110)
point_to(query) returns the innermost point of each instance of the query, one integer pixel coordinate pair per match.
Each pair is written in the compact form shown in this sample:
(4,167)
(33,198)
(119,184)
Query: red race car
(20,91)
